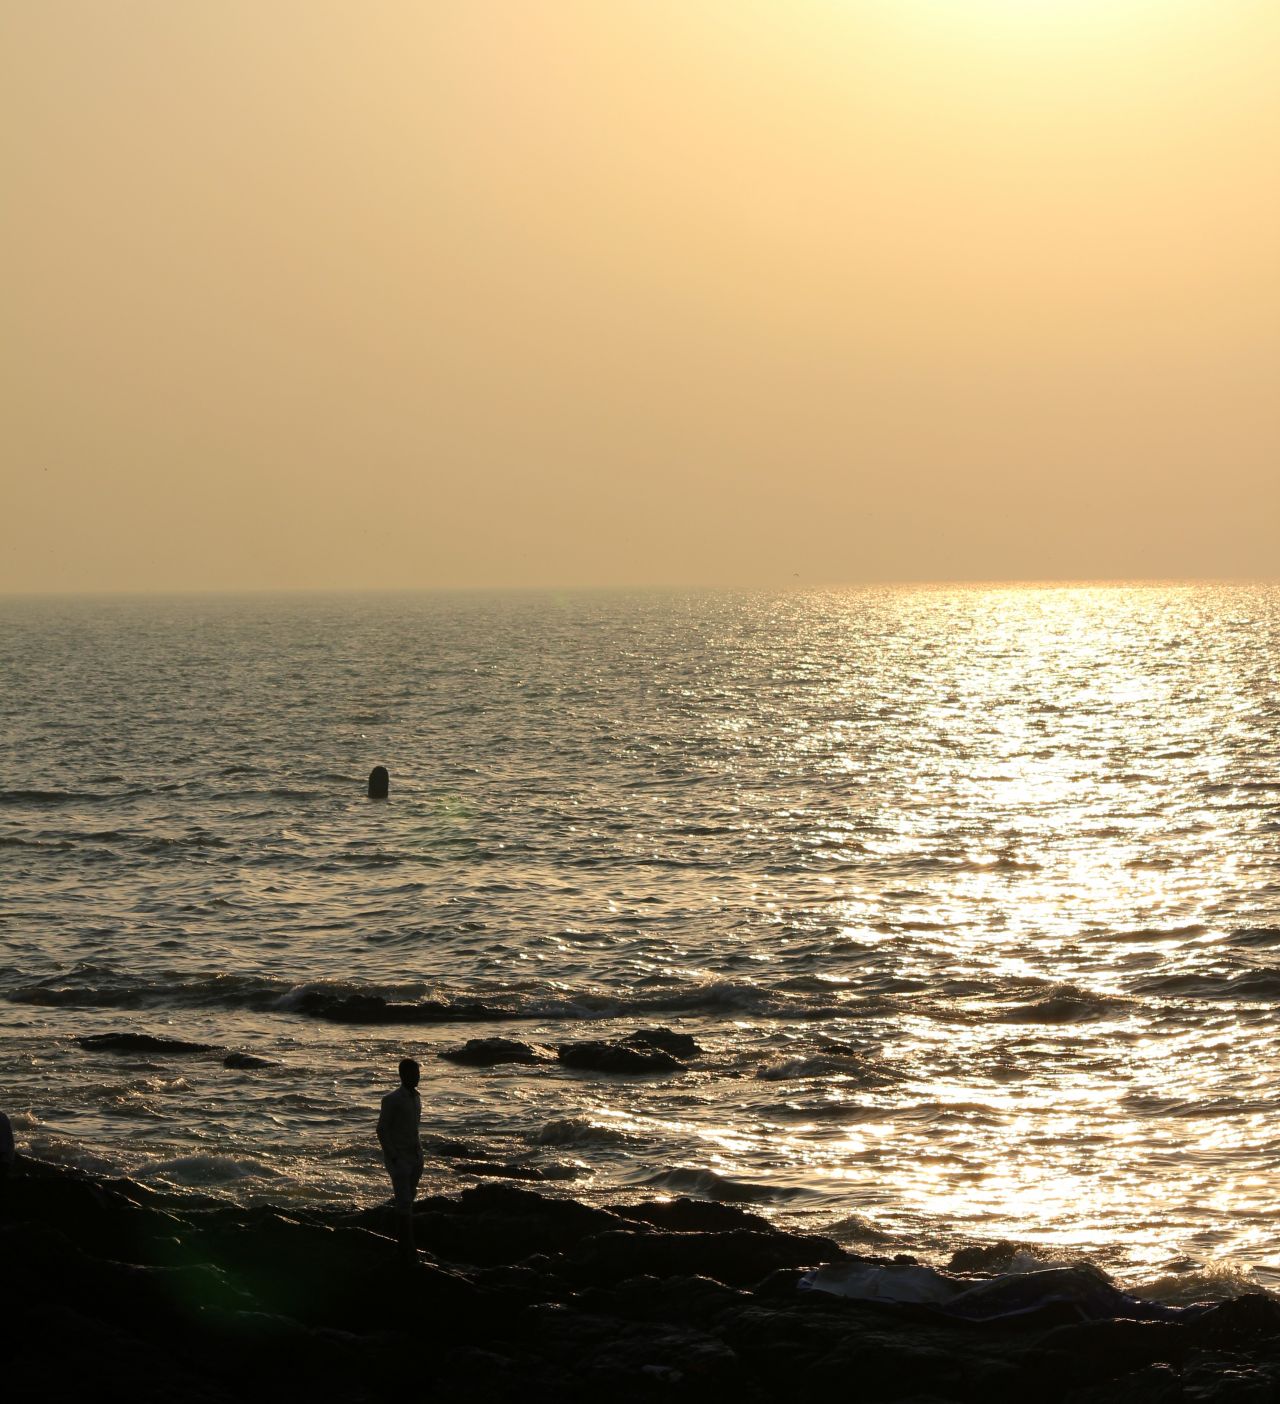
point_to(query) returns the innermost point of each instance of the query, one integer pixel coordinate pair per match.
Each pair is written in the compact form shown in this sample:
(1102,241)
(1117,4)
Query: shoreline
(115,1289)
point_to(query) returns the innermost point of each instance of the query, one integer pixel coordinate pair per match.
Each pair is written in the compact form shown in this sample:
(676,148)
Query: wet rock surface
(113,1290)
(488,1052)
(142,1043)
(642,1051)
(373,1009)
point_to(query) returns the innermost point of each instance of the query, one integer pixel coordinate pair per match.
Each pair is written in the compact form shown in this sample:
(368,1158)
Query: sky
(450,293)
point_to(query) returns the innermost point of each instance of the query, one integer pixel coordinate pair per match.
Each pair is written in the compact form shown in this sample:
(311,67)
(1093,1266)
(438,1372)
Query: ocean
(969,896)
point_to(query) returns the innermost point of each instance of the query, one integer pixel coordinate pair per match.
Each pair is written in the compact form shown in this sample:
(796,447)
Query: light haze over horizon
(311,294)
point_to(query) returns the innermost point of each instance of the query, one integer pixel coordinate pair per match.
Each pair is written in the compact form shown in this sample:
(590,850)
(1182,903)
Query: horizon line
(789,587)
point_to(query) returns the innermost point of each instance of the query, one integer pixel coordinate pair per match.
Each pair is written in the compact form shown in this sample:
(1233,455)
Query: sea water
(970,896)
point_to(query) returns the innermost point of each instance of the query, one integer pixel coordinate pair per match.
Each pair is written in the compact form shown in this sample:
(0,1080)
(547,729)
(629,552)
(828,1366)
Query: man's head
(409,1072)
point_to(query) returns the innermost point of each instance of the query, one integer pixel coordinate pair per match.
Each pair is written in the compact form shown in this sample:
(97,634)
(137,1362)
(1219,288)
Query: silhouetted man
(402,1147)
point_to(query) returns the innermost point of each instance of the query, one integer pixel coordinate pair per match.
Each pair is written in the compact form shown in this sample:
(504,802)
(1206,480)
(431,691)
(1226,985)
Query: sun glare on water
(1053,868)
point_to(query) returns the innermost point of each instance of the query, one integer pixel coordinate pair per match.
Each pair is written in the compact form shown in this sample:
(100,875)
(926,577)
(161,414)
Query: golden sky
(398,293)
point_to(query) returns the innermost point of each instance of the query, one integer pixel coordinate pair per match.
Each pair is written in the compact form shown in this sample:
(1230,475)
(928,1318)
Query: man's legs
(404,1184)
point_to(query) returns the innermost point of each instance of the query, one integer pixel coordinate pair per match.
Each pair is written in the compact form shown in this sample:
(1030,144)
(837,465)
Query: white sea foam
(206,1170)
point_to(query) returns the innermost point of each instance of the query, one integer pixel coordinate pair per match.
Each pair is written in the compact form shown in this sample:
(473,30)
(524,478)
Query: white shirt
(398,1126)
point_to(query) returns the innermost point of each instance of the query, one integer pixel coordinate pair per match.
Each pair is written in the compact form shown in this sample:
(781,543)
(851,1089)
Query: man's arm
(383,1126)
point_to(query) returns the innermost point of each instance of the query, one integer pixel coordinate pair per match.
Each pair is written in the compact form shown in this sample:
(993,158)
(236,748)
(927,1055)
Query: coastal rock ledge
(112,1290)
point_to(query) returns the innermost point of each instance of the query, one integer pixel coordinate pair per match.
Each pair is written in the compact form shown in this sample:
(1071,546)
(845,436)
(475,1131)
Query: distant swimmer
(402,1147)
(379,782)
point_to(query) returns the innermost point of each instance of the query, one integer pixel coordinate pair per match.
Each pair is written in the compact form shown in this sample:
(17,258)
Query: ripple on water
(968,894)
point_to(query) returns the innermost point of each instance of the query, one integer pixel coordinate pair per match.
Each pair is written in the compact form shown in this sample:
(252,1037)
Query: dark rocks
(610,1354)
(567,1220)
(985,1257)
(115,1291)
(617,1057)
(643,1051)
(1241,1322)
(679,1045)
(482,1169)
(739,1258)
(496,1224)
(686,1215)
(1089,1351)
(488,1052)
(452,1149)
(373,1009)
(141,1043)
(696,1300)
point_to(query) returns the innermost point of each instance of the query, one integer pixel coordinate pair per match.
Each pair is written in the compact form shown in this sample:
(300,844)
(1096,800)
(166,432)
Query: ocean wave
(1261,985)
(838,1109)
(854,1228)
(36,798)
(581,1131)
(162,844)
(149,844)
(1214,1282)
(1065,1005)
(63,1151)
(1256,936)
(355,1006)
(206,1170)
(345,1002)
(46,797)
(848,1069)
(93,987)
(1153,933)
(1192,1109)
(710,1184)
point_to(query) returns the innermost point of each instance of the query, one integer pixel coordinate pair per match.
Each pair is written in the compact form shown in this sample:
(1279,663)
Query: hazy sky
(488,292)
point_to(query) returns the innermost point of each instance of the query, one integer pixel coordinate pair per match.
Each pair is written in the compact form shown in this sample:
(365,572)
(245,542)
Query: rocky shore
(112,1290)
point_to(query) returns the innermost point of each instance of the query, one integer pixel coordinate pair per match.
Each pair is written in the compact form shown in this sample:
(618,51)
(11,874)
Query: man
(402,1147)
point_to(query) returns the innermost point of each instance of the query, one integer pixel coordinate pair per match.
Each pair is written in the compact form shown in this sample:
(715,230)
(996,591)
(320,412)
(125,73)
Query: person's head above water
(409,1072)
(379,782)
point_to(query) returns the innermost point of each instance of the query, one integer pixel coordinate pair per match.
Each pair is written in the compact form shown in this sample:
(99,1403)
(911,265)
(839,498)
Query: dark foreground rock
(112,1291)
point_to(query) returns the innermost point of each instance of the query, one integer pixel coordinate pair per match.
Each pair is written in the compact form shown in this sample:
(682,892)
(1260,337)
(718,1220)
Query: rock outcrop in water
(110,1290)
(373,1009)
(142,1043)
(489,1052)
(642,1051)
